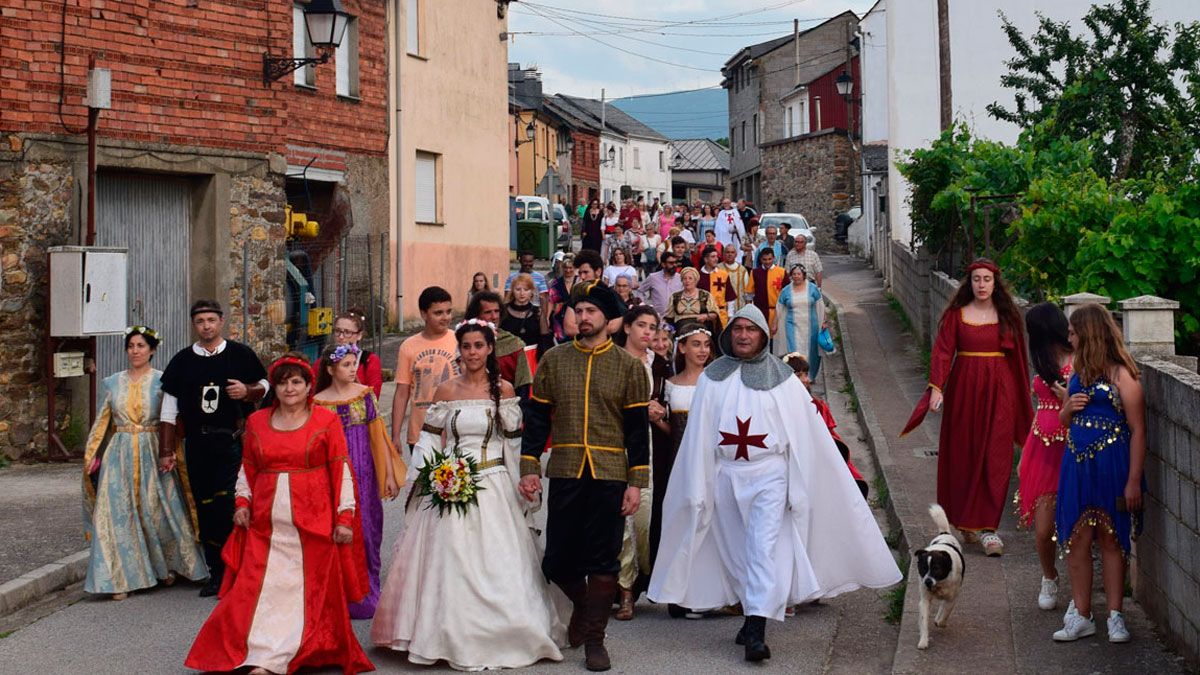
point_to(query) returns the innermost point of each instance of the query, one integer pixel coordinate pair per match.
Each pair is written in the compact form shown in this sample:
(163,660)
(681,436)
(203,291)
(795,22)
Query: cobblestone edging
(32,585)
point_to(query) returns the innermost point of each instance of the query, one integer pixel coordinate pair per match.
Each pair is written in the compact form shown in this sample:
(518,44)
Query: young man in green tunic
(590,396)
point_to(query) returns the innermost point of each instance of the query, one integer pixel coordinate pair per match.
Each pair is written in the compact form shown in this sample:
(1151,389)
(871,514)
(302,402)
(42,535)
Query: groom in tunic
(760,508)
(590,397)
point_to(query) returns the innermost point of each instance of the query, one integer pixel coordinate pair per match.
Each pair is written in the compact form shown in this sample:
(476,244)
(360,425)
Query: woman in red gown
(978,371)
(295,559)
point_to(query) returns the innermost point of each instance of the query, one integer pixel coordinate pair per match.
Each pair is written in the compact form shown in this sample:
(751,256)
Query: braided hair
(492,365)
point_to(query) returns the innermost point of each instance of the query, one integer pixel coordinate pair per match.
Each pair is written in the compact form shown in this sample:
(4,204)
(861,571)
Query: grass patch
(882,496)
(848,390)
(893,539)
(894,303)
(895,597)
(6,634)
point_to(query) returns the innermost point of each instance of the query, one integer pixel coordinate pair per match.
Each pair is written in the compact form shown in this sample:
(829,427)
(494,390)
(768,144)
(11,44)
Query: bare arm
(399,405)
(1133,401)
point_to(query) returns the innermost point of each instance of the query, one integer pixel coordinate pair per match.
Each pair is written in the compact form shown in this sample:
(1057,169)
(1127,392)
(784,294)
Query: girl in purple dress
(378,469)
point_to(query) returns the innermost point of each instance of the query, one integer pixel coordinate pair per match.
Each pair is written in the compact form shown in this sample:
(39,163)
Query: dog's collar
(953,544)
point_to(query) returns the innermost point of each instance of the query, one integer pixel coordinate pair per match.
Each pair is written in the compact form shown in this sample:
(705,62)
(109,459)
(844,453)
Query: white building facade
(648,168)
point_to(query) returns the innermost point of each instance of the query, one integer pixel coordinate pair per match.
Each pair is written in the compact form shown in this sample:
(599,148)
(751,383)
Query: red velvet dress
(287,584)
(986,412)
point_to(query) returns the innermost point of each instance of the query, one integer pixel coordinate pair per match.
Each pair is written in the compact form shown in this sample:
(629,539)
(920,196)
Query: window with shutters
(637,159)
(346,61)
(425,197)
(662,166)
(302,48)
(413,22)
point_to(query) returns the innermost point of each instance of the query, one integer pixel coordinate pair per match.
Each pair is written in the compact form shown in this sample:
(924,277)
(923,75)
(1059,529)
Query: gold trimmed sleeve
(539,399)
(638,476)
(637,405)
(530,465)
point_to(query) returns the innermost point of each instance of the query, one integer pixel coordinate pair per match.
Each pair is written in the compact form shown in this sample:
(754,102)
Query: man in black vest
(209,388)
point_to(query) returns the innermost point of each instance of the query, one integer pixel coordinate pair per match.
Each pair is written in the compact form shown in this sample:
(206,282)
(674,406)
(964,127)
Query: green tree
(1118,85)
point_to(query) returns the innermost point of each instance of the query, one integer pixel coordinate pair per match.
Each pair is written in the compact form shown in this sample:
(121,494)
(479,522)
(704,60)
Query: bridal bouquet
(450,480)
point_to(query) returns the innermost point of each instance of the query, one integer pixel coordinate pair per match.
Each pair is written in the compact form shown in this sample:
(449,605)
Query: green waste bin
(534,235)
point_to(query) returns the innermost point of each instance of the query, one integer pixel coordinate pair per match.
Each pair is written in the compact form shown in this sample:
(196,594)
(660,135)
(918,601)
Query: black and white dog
(941,567)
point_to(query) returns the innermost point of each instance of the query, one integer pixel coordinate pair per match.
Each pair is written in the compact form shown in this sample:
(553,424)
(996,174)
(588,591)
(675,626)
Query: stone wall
(910,286)
(814,175)
(941,289)
(257,257)
(1167,568)
(35,206)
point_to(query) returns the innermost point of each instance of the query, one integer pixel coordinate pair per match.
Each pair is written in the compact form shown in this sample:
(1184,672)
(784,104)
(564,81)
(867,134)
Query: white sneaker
(1074,627)
(1048,597)
(1070,608)
(1117,632)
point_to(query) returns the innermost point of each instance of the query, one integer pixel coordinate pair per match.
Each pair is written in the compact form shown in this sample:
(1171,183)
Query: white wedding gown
(467,587)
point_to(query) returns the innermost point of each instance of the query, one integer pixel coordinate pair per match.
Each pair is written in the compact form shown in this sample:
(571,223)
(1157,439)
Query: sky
(668,45)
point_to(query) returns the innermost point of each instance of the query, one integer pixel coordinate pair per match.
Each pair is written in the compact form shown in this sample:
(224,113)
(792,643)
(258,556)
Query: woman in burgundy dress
(978,372)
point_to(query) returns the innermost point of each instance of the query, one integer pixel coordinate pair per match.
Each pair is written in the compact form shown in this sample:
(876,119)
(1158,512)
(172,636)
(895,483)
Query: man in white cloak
(730,229)
(760,508)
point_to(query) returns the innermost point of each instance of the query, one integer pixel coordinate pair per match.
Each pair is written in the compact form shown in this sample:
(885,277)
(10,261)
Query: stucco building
(641,164)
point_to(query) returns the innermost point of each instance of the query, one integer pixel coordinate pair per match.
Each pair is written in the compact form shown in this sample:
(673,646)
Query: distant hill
(693,114)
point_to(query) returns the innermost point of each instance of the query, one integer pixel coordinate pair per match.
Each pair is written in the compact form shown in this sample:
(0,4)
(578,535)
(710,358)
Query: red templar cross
(718,285)
(743,439)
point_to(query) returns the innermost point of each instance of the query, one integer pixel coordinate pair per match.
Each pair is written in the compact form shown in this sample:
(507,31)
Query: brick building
(196,161)
(585,153)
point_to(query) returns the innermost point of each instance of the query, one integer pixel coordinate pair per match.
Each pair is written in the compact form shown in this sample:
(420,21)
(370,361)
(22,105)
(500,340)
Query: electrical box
(320,321)
(88,291)
(68,364)
(99,89)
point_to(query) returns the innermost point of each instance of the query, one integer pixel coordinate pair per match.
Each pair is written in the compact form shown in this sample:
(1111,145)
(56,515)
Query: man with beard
(591,397)
(760,509)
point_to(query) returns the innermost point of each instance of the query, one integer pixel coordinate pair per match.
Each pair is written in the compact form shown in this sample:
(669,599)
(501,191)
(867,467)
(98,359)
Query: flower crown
(142,330)
(342,351)
(477,322)
(794,355)
(694,330)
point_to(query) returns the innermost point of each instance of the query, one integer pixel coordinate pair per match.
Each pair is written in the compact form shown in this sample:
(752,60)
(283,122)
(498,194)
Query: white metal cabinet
(87,290)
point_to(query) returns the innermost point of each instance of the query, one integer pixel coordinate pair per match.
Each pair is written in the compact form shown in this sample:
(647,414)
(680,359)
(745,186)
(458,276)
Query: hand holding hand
(530,486)
(166,463)
(342,535)
(631,500)
(241,517)
(656,411)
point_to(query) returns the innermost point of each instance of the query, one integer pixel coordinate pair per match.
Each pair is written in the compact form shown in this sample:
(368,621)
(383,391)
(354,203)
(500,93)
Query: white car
(795,221)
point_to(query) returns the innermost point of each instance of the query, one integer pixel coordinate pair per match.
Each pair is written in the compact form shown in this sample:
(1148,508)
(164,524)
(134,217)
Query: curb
(31,586)
(878,445)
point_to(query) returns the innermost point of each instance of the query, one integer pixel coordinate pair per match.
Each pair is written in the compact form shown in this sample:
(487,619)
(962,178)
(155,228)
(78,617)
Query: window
(637,158)
(346,61)
(743,135)
(732,142)
(817,112)
(302,48)
(788,131)
(414,27)
(535,212)
(705,196)
(661,163)
(426,194)
(621,158)
(754,131)
(802,116)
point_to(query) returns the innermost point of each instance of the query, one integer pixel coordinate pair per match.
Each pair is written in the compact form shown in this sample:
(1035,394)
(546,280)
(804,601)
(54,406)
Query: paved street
(152,631)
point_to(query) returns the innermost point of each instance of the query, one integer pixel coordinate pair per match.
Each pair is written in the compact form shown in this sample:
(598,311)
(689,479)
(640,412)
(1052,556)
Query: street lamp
(325,21)
(612,156)
(676,162)
(570,144)
(845,85)
(530,134)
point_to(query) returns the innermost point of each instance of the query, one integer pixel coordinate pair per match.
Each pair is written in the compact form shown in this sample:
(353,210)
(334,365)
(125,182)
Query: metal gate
(149,215)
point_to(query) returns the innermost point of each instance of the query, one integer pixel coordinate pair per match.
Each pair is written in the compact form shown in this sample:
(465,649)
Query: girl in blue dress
(1100,484)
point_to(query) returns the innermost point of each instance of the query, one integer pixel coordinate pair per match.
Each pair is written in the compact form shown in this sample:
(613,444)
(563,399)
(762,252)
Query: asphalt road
(152,631)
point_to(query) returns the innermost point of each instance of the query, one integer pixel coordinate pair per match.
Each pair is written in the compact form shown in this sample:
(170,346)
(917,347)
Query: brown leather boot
(625,611)
(601,588)
(576,592)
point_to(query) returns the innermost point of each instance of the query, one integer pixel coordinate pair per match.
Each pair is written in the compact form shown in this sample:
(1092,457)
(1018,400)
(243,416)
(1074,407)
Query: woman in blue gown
(137,517)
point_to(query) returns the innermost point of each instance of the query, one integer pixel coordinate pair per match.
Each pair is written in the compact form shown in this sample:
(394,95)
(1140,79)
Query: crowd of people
(689,460)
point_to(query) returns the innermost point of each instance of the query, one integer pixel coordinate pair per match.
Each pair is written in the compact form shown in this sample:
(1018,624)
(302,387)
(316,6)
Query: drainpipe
(398,160)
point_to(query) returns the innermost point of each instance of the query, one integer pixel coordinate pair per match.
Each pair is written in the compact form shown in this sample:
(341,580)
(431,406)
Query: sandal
(993,546)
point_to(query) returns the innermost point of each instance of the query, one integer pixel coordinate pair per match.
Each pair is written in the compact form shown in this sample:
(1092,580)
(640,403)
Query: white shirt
(729,227)
(170,405)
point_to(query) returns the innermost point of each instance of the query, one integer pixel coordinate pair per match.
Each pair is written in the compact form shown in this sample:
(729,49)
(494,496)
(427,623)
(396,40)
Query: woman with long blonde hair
(1100,484)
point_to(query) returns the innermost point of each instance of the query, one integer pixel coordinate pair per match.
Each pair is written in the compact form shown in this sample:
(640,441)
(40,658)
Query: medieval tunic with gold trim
(465,587)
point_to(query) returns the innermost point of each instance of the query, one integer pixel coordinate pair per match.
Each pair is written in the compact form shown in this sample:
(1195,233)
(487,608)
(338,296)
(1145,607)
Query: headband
(794,355)
(983,264)
(342,351)
(142,330)
(477,322)
(290,361)
(692,330)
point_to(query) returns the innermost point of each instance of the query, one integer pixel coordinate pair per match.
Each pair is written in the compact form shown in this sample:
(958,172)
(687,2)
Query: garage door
(149,215)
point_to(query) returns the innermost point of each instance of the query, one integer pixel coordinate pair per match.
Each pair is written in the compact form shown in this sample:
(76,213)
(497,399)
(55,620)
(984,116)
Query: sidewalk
(997,626)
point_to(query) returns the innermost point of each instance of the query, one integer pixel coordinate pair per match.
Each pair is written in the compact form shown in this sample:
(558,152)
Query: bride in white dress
(466,587)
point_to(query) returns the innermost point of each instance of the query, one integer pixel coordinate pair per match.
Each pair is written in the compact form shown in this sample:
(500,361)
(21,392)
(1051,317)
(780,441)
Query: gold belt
(137,428)
(997,355)
(491,463)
